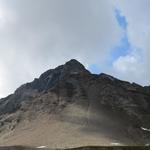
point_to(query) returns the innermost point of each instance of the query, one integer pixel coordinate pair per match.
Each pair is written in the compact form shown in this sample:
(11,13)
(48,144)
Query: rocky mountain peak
(52,77)
(73,67)
(70,67)
(74,64)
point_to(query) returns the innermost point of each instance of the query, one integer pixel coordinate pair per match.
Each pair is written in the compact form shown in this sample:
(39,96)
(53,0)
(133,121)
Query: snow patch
(41,147)
(145,129)
(115,144)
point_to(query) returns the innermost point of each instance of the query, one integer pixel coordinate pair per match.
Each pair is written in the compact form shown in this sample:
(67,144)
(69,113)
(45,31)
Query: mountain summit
(68,106)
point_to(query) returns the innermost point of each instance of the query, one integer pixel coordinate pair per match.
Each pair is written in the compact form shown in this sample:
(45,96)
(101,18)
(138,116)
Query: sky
(110,36)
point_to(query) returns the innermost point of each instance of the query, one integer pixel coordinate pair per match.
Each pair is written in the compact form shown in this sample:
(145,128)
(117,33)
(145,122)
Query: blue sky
(120,49)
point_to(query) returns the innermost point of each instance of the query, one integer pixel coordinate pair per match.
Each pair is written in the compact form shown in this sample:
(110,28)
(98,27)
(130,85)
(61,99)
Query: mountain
(68,106)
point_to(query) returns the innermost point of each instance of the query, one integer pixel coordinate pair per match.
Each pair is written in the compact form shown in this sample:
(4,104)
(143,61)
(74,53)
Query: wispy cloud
(37,35)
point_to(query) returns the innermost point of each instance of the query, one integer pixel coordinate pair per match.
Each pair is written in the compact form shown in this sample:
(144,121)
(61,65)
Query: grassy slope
(113,148)
(83,148)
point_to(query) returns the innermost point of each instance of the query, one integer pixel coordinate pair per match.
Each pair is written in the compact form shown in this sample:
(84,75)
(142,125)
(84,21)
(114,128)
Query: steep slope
(68,106)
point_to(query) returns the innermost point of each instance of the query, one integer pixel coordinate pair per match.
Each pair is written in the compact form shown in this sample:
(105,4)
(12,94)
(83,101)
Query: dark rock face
(48,80)
(128,104)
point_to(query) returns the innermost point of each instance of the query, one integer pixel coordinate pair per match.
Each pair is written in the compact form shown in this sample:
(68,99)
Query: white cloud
(129,68)
(125,64)
(36,35)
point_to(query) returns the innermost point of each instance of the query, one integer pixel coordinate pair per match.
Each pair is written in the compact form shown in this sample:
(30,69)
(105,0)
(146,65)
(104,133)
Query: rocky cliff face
(101,104)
